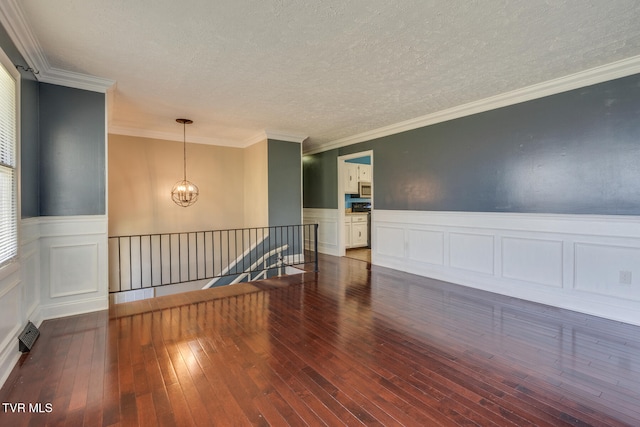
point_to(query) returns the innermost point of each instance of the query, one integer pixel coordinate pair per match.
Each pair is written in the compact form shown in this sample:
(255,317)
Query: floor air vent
(28,336)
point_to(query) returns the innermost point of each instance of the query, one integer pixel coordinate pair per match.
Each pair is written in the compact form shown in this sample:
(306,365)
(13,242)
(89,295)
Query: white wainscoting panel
(426,246)
(74,255)
(61,271)
(585,263)
(73,269)
(11,320)
(473,252)
(327,220)
(394,241)
(599,267)
(532,260)
(30,266)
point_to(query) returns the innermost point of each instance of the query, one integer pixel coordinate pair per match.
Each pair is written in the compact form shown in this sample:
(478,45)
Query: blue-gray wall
(72,151)
(29,131)
(320,180)
(284,174)
(62,151)
(576,152)
(30,148)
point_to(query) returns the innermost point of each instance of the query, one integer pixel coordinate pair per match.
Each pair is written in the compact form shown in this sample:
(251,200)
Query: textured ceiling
(323,69)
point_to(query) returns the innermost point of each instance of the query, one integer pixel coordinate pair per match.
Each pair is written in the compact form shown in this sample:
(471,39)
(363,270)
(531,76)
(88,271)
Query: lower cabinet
(347,232)
(358,235)
(356,231)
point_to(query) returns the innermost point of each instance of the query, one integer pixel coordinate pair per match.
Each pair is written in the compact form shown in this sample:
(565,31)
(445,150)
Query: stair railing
(146,261)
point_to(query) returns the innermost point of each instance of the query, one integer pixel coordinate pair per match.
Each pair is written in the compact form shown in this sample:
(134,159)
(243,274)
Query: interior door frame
(342,251)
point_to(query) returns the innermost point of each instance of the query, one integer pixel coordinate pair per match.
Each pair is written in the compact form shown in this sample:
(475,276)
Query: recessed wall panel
(426,246)
(9,311)
(390,241)
(473,252)
(532,260)
(73,269)
(604,269)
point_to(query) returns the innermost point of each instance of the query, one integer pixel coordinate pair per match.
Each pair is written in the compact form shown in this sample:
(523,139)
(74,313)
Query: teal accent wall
(72,151)
(575,152)
(364,160)
(284,174)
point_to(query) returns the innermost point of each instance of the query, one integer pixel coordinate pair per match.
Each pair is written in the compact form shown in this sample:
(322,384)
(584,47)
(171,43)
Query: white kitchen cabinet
(356,231)
(364,173)
(358,235)
(347,232)
(351,178)
(354,173)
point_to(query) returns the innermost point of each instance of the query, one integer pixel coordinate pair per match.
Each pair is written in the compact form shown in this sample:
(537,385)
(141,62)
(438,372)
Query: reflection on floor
(353,344)
(363,254)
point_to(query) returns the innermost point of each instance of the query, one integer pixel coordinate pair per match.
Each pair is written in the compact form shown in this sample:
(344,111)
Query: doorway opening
(355,205)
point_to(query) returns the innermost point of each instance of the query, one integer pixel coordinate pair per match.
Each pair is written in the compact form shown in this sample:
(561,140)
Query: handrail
(143,261)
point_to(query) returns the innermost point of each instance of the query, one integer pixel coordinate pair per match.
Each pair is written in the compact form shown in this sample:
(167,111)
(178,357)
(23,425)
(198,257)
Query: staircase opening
(149,265)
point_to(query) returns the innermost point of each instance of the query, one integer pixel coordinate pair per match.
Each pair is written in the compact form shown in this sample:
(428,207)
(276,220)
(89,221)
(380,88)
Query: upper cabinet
(355,173)
(364,173)
(351,178)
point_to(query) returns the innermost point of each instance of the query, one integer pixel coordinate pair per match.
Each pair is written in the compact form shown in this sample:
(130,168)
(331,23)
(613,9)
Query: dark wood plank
(351,345)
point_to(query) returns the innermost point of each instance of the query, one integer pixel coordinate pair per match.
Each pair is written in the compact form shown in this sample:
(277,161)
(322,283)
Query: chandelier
(184,193)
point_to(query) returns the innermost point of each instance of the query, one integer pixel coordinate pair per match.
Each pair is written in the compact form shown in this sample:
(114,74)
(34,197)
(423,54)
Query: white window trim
(14,265)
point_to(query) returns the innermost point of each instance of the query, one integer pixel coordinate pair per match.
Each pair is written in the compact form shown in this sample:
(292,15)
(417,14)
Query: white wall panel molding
(327,220)
(10,323)
(544,268)
(74,256)
(394,241)
(61,271)
(68,226)
(71,308)
(73,269)
(29,231)
(30,277)
(30,268)
(585,263)
(618,271)
(426,246)
(473,252)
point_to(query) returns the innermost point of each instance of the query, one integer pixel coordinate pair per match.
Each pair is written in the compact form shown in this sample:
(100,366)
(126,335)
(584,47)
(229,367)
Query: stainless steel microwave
(364,189)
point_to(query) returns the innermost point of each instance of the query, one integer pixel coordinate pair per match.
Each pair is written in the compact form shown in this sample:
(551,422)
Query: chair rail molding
(586,263)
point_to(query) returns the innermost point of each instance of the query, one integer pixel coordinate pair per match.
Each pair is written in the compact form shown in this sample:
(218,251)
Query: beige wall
(256,185)
(142,172)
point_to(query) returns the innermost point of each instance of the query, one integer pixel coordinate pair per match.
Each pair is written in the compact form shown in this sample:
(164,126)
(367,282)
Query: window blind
(8,178)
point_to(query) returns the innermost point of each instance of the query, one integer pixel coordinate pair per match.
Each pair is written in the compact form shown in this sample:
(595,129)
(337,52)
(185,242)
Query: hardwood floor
(363,254)
(350,345)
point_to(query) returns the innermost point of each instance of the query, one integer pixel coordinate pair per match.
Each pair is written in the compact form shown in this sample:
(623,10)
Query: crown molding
(614,70)
(169,136)
(15,23)
(76,80)
(277,135)
(283,136)
(259,137)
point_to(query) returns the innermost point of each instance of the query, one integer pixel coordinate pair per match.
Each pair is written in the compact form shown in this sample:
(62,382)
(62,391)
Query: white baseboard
(71,308)
(9,356)
(575,262)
